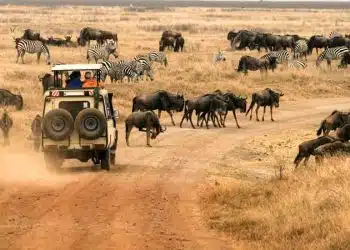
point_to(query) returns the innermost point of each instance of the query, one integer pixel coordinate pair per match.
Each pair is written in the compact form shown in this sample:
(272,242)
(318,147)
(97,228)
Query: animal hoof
(148,145)
(272,120)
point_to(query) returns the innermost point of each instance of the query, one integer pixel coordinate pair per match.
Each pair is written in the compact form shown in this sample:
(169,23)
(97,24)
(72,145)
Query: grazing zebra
(102,52)
(5,125)
(219,57)
(144,67)
(31,47)
(297,64)
(281,55)
(334,34)
(158,56)
(300,49)
(330,54)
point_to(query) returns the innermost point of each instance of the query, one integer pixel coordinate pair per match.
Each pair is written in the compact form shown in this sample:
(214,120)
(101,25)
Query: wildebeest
(6,124)
(87,34)
(67,42)
(317,42)
(30,34)
(251,63)
(161,100)
(205,105)
(7,98)
(335,120)
(264,98)
(36,132)
(235,102)
(343,133)
(345,60)
(179,44)
(145,121)
(306,149)
(170,33)
(167,42)
(47,81)
(231,35)
(336,148)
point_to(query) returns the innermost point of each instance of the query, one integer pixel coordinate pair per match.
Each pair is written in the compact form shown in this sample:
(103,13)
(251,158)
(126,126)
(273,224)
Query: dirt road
(149,201)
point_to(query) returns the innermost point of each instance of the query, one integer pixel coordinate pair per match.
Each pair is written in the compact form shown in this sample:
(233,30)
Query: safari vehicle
(78,123)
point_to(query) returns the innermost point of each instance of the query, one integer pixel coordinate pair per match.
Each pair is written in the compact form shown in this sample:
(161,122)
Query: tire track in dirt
(150,201)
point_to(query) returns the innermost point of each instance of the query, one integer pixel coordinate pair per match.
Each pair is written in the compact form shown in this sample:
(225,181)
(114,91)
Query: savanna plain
(217,188)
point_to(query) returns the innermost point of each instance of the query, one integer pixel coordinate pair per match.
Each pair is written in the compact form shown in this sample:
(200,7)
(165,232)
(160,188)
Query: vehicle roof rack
(74,67)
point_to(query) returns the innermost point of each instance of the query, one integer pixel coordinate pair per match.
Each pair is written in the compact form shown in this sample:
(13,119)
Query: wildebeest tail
(165,61)
(319,131)
(251,104)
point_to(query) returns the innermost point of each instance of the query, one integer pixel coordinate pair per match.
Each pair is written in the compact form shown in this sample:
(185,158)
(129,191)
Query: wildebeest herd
(213,106)
(336,46)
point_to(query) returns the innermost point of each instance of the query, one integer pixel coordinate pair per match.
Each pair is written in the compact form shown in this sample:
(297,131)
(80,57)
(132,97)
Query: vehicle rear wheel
(53,160)
(90,123)
(105,160)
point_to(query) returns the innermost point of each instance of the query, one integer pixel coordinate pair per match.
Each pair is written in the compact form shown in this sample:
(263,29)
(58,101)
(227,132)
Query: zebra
(219,57)
(281,55)
(103,51)
(31,47)
(6,124)
(330,54)
(158,56)
(300,49)
(144,67)
(297,64)
(334,34)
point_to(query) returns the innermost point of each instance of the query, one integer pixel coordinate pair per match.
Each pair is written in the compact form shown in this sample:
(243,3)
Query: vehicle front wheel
(105,161)
(53,161)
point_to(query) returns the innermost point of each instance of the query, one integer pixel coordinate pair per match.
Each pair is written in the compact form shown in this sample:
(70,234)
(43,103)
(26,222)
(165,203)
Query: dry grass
(308,210)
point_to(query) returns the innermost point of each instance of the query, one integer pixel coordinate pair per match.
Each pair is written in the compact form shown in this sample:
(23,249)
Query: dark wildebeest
(338,41)
(244,38)
(87,34)
(169,33)
(30,34)
(336,148)
(6,124)
(335,120)
(317,42)
(231,35)
(235,102)
(161,100)
(251,63)
(287,41)
(343,133)
(145,121)
(306,149)
(7,98)
(264,98)
(167,42)
(36,132)
(345,60)
(204,105)
(179,44)
(59,41)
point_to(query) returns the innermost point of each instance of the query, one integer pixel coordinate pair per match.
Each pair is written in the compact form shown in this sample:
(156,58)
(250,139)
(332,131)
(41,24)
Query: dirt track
(150,201)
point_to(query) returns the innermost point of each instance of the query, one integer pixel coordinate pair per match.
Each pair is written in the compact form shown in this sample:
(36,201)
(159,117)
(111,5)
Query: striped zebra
(219,57)
(119,70)
(158,56)
(300,49)
(281,55)
(330,54)
(297,64)
(32,46)
(101,52)
(334,34)
(144,67)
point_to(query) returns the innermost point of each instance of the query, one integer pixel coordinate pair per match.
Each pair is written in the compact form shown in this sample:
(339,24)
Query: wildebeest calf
(306,149)
(335,120)
(267,97)
(6,124)
(145,121)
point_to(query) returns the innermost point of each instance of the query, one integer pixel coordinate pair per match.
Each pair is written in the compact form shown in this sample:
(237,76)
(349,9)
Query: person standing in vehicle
(74,80)
(89,81)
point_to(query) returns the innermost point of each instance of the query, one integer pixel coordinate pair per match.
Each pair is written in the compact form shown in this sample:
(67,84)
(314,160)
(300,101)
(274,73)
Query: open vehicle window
(74,107)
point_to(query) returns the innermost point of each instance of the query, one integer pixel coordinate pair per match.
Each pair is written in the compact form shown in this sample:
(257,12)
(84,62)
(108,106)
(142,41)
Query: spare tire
(90,123)
(58,124)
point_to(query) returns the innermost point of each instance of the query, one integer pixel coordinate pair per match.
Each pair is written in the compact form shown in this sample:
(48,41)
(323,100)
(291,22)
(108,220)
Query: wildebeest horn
(163,129)
(281,94)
